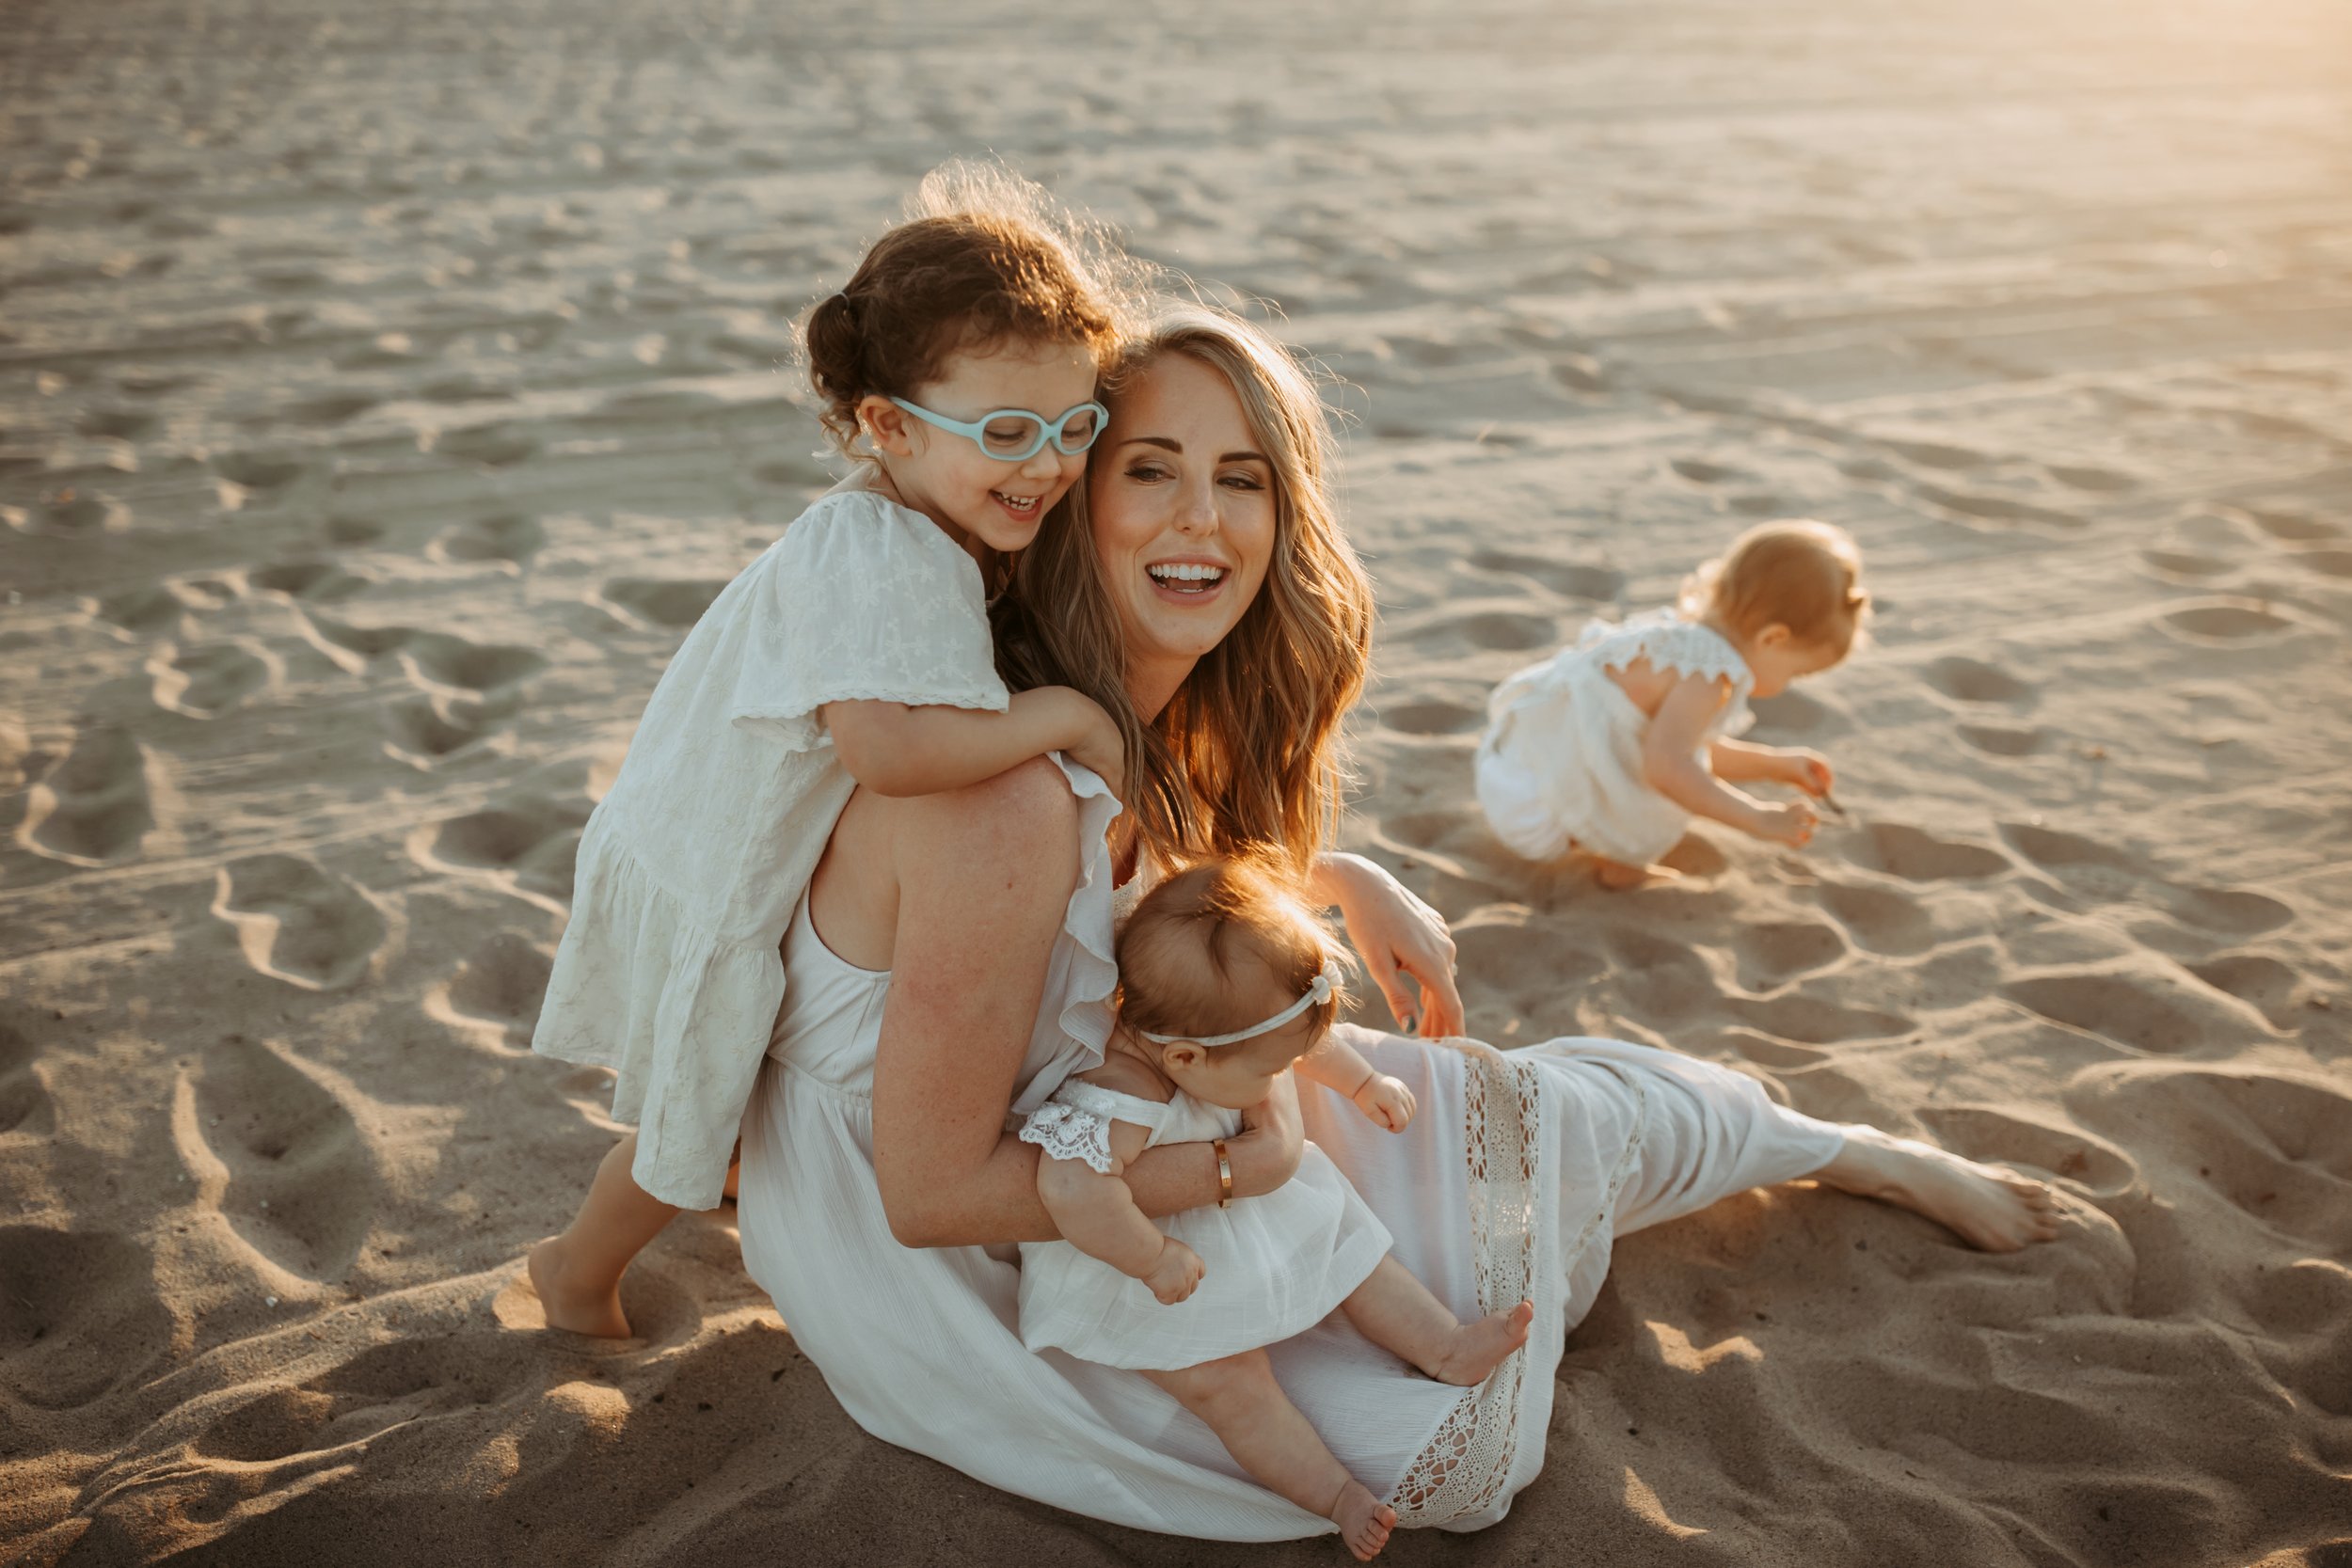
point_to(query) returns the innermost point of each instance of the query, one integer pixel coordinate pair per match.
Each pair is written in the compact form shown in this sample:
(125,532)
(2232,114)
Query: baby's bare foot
(568,1305)
(1480,1347)
(1364,1519)
(1991,1206)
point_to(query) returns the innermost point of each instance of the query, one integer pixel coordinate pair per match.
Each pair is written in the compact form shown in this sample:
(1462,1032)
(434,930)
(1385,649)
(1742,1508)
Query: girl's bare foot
(1479,1347)
(1990,1207)
(569,1306)
(1364,1519)
(1617,876)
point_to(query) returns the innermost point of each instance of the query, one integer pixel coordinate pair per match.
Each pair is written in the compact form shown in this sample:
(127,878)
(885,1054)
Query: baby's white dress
(1272,1266)
(1561,762)
(691,866)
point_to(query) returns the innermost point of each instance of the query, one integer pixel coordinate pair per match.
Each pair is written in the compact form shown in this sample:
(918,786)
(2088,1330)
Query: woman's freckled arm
(984,877)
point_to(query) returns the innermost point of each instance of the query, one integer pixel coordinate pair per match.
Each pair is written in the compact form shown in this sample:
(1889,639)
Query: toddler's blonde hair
(1804,575)
(1191,942)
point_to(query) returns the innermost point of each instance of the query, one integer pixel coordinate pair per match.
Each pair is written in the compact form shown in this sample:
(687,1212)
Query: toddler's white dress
(1272,1266)
(691,866)
(1561,762)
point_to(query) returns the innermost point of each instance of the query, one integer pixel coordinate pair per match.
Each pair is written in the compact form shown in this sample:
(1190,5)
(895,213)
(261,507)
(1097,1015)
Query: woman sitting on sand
(953,954)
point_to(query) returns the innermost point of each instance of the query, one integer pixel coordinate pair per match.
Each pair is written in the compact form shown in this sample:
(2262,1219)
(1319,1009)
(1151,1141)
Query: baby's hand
(1386,1100)
(1809,770)
(1791,824)
(1175,1274)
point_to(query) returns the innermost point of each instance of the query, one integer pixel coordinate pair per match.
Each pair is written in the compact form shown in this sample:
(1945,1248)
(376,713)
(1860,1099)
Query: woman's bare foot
(591,1310)
(1617,876)
(1364,1519)
(1480,1347)
(1990,1207)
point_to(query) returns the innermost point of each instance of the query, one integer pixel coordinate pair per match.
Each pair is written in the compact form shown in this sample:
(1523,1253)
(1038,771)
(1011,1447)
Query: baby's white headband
(1317,994)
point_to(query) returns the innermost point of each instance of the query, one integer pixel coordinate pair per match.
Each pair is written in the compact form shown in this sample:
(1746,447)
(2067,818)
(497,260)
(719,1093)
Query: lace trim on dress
(1468,1461)
(1076,1124)
(1670,643)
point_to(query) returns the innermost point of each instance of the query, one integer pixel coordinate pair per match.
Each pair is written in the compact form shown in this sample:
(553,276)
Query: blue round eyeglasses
(1015,435)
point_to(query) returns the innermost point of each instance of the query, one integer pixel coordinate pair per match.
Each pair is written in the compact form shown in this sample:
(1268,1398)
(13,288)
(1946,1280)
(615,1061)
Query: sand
(386,386)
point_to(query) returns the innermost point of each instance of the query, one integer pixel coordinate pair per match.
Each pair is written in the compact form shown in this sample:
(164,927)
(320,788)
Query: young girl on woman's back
(1612,745)
(964,353)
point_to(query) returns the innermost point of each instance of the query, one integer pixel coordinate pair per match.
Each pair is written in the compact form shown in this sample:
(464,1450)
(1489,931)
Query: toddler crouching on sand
(1610,747)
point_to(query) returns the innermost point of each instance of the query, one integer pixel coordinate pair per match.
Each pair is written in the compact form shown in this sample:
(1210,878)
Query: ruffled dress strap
(1677,646)
(1076,1124)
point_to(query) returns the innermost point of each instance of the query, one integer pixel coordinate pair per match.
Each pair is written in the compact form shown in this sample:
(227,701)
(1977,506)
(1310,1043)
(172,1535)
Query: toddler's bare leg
(1990,1207)
(1617,876)
(1394,1310)
(1260,1427)
(577,1274)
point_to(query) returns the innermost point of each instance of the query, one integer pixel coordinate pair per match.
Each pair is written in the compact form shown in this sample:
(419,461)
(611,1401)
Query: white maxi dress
(1516,1173)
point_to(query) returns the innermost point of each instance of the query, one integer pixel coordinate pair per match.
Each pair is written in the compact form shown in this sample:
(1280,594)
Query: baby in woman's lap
(1228,982)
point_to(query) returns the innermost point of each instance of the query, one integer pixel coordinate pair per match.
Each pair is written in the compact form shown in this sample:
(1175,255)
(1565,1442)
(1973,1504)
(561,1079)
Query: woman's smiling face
(1182,499)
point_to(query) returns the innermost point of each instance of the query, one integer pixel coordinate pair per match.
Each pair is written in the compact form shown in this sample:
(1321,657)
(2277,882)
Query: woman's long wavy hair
(1247,757)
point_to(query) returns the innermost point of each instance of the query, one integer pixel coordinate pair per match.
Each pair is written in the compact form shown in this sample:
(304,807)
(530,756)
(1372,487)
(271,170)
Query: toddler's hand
(1099,744)
(1791,824)
(1386,1100)
(1175,1274)
(1810,772)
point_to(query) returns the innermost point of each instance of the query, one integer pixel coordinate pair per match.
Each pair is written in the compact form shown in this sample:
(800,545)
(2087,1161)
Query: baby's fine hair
(983,259)
(1193,939)
(1806,576)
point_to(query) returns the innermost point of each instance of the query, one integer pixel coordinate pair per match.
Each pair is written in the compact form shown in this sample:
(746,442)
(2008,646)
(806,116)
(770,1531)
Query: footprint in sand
(79,1315)
(1981,1133)
(1570,578)
(2272,988)
(428,729)
(1660,979)
(487,446)
(1699,472)
(94,808)
(1936,455)
(1432,718)
(209,679)
(497,990)
(1997,509)
(319,581)
(1793,715)
(532,841)
(138,613)
(2271,1145)
(1815,1021)
(2140,1007)
(2184,565)
(664,604)
(280,1155)
(298,922)
(1504,631)
(2003,740)
(258,471)
(352,647)
(24,1103)
(1922,857)
(436,658)
(72,510)
(512,537)
(352,532)
(1968,680)
(2100,482)
(2328,563)
(1879,919)
(2224,622)
(2295,528)
(2234,912)
(2086,865)
(1772,953)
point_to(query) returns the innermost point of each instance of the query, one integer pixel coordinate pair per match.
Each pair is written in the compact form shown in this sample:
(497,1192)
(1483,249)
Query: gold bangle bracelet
(1224,1175)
